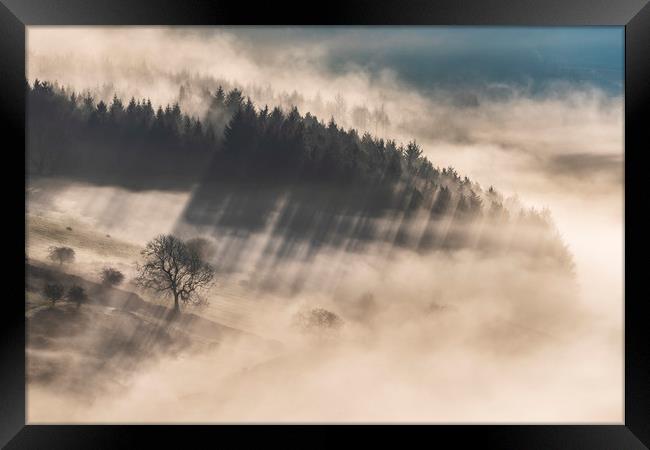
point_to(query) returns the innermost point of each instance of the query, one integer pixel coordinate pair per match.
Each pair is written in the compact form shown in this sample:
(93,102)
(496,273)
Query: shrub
(317,320)
(77,294)
(111,277)
(53,292)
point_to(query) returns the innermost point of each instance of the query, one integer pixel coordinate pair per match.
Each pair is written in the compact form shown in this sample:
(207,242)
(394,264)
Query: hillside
(250,168)
(109,337)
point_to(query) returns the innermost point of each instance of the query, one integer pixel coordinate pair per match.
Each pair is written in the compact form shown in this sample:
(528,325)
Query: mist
(447,336)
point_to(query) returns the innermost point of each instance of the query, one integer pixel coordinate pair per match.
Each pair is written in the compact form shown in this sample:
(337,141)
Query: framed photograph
(373,213)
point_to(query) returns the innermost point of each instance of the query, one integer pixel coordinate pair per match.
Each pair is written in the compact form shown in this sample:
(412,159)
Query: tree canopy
(171,266)
(323,166)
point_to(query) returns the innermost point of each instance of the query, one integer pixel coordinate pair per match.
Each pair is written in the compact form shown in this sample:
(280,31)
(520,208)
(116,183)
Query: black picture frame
(634,433)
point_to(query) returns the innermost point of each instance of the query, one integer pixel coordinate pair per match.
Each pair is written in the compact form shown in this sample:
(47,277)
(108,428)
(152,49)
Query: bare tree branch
(171,266)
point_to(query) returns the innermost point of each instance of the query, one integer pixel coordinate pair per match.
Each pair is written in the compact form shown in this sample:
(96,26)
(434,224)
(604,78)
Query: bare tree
(111,277)
(77,294)
(61,254)
(172,267)
(53,292)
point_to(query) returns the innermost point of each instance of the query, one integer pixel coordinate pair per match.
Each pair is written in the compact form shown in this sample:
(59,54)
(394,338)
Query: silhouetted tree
(77,294)
(442,201)
(412,153)
(61,254)
(475,202)
(111,277)
(172,267)
(53,292)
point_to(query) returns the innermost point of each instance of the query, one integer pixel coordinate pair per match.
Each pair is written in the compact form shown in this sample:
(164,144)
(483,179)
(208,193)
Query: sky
(428,57)
(454,57)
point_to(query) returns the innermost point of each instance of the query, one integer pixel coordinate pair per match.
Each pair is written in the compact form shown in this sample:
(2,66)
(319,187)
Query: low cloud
(583,165)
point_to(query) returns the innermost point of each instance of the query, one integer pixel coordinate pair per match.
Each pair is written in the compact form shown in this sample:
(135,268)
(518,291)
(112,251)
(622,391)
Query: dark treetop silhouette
(171,266)
(333,184)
